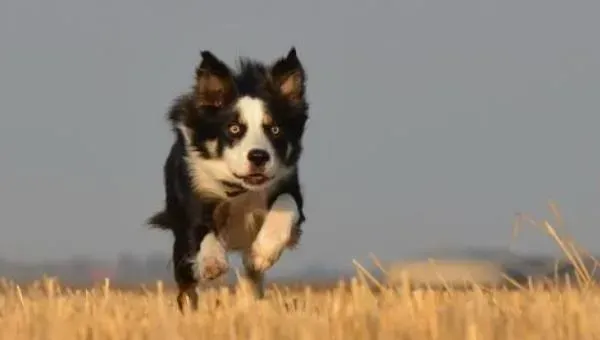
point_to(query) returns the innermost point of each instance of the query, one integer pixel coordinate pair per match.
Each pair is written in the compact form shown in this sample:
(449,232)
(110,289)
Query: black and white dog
(231,177)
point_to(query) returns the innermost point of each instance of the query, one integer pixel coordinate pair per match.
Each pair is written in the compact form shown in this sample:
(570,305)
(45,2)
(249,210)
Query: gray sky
(432,122)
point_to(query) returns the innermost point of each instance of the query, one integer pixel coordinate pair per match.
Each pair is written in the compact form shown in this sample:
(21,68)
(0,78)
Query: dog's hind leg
(190,292)
(255,278)
(185,246)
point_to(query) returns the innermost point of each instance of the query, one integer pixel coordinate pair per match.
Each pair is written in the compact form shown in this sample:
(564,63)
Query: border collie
(231,177)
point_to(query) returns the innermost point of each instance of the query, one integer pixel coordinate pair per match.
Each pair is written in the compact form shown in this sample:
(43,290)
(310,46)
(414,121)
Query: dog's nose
(258,157)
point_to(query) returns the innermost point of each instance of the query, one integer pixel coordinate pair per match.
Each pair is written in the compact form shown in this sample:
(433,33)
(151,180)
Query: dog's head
(246,125)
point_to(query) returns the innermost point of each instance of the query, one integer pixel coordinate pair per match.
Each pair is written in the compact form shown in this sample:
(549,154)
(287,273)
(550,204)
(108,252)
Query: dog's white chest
(239,220)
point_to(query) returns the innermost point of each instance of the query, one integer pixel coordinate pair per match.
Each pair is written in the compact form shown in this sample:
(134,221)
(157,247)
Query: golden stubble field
(361,308)
(351,310)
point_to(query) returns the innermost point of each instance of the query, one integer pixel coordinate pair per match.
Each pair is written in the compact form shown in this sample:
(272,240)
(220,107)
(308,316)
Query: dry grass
(352,312)
(359,309)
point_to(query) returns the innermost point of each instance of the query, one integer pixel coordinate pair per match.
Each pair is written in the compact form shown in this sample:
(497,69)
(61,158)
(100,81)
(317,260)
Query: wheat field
(361,308)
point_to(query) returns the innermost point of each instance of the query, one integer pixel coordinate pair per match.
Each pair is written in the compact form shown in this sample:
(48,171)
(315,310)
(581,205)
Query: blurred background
(432,124)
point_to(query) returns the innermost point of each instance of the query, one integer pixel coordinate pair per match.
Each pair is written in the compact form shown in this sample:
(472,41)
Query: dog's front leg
(208,263)
(198,254)
(275,233)
(198,257)
(211,260)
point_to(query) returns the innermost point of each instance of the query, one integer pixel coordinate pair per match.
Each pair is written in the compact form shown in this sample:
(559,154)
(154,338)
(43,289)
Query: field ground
(360,308)
(346,310)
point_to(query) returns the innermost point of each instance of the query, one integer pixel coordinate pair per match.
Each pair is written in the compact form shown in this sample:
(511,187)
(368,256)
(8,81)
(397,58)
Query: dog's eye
(275,130)
(235,129)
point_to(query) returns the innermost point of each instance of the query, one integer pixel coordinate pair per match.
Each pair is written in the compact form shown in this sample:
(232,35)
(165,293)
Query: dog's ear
(288,77)
(214,84)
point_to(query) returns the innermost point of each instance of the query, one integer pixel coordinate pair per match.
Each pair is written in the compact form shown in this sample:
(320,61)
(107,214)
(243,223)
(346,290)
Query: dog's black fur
(206,110)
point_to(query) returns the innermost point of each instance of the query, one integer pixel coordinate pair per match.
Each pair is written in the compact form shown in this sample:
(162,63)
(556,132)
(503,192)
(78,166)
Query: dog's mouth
(254,179)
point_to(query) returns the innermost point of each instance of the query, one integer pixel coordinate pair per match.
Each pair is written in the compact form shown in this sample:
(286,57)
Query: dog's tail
(160,220)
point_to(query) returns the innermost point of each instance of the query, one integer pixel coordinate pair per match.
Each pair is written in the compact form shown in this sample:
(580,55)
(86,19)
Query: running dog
(231,177)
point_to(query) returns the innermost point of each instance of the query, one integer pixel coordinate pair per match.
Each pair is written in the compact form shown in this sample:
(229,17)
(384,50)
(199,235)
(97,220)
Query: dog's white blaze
(210,248)
(276,231)
(207,174)
(252,112)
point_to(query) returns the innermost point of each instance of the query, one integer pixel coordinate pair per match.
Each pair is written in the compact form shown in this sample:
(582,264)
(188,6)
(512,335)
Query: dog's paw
(263,256)
(275,234)
(210,268)
(211,260)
